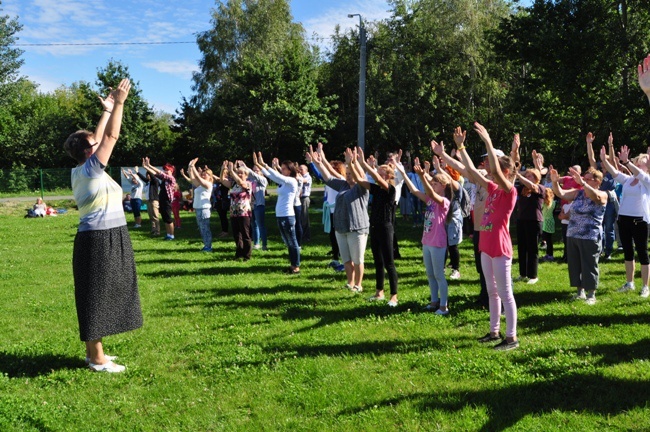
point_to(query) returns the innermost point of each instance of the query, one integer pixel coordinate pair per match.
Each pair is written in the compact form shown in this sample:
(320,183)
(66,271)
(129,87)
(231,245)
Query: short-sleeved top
(382,207)
(98,197)
(530,207)
(434,233)
(137,188)
(202,198)
(495,234)
(548,226)
(240,201)
(586,218)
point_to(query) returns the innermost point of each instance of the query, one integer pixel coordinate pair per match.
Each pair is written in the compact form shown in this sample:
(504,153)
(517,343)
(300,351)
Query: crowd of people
(451,195)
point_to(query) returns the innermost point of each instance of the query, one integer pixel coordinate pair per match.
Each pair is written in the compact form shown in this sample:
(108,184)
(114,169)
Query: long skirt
(105,283)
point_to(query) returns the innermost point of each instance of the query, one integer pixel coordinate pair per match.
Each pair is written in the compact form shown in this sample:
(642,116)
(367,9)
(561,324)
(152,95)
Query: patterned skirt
(105,283)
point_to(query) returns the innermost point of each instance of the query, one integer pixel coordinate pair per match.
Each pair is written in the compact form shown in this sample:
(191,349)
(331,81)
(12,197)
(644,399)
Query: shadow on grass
(31,366)
(611,354)
(548,322)
(509,404)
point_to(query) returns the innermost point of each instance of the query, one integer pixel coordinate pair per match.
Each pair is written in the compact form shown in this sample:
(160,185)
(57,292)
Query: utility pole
(361,128)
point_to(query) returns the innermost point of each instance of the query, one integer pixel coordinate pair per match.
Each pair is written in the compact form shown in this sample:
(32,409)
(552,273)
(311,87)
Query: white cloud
(45,85)
(181,69)
(323,25)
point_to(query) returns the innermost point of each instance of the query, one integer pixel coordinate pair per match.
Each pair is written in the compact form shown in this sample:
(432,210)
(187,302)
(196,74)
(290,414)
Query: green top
(548,225)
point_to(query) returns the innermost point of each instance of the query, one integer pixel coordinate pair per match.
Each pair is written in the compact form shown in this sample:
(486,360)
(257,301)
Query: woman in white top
(633,214)
(202,180)
(285,176)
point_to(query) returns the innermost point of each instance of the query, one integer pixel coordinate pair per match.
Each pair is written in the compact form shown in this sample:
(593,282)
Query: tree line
(551,71)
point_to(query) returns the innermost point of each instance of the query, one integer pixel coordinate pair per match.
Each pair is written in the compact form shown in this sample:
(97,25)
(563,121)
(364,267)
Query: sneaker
(489,338)
(441,312)
(109,367)
(627,286)
(334,264)
(339,268)
(348,286)
(137,226)
(357,289)
(257,247)
(168,237)
(455,274)
(591,300)
(581,295)
(206,249)
(504,345)
(392,303)
(375,298)
(547,258)
(645,292)
(264,248)
(532,281)
(432,307)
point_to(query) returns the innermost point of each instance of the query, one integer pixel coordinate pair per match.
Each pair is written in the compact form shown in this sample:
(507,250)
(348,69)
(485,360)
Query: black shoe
(506,346)
(489,338)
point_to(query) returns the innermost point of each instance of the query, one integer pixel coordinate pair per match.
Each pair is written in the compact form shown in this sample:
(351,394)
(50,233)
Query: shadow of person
(16,365)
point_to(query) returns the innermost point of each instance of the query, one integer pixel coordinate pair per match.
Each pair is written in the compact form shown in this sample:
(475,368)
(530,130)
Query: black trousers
(241,231)
(334,244)
(483,294)
(548,238)
(381,243)
(528,233)
(633,232)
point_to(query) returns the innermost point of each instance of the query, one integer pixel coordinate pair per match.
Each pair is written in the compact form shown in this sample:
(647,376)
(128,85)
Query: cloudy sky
(164,71)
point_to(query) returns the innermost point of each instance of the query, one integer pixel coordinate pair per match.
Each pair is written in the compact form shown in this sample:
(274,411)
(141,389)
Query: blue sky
(163,71)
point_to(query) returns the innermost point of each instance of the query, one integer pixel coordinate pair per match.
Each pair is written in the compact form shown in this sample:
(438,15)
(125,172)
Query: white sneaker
(109,367)
(628,286)
(257,247)
(441,312)
(581,295)
(392,303)
(591,300)
(137,226)
(455,274)
(645,292)
(532,281)
(357,289)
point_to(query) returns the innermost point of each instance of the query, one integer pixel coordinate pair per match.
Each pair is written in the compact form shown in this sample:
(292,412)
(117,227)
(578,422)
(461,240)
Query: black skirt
(105,283)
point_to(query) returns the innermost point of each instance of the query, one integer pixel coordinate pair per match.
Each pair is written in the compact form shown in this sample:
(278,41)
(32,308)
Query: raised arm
(439,150)
(112,131)
(427,185)
(188,179)
(357,173)
(107,109)
(607,164)
(316,157)
(528,184)
(566,195)
(379,180)
(590,150)
(455,185)
(195,175)
(477,177)
(226,172)
(597,196)
(409,184)
(624,157)
(644,76)
(332,172)
(146,164)
(514,149)
(495,167)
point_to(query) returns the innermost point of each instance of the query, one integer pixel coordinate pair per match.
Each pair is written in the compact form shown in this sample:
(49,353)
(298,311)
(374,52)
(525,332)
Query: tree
(10,61)
(256,89)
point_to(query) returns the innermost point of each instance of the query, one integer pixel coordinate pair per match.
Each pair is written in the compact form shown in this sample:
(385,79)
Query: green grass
(229,345)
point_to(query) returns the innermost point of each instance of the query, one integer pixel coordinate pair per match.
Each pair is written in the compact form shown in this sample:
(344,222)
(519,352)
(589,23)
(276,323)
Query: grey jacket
(351,210)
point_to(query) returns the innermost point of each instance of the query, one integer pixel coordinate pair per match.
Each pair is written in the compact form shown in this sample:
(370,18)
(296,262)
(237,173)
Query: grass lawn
(229,345)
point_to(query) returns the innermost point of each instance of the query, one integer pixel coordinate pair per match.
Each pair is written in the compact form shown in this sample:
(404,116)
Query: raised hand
(348,155)
(610,140)
(459,136)
(436,164)
(308,157)
(427,167)
(439,149)
(624,154)
(644,75)
(482,133)
(107,103)
(122,91)
(603,154)
(553,174)
(275,162)
(576,176)
(371,161)
(516,143)
(590,138)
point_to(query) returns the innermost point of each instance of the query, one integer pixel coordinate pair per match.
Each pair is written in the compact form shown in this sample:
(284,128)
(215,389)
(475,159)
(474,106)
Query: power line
(100,43)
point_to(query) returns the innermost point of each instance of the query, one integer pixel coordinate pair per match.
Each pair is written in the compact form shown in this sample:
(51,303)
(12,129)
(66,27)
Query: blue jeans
(434,263)
(203,221)
(259,225)
(608,228)
(287,225)
(416,203)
